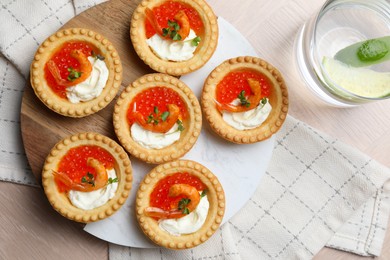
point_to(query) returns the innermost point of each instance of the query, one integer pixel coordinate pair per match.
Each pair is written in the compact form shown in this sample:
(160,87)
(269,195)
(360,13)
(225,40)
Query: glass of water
(356,75)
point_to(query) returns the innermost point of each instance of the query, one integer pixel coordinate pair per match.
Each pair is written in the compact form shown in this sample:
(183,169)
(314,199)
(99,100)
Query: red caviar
(74,162)
(63,60)
(167,11)
(146,101)
(234,82)
(159,196)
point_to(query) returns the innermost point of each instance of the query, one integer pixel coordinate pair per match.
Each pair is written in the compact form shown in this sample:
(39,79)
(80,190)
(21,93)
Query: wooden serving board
(42,128)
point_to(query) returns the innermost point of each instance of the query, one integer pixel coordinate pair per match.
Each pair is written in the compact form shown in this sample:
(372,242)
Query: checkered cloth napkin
(316,192)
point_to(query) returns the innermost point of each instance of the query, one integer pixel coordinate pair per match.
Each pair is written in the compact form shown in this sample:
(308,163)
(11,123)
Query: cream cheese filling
(173,50)
(152,140)
(93,199)
(93,86)
(249,119)
(187,224)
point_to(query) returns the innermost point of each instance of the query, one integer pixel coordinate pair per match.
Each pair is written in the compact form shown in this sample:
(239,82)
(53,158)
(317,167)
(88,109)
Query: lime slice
(359,81)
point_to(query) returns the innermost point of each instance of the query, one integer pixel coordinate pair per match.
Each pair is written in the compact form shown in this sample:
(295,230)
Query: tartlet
(89,142)
(215,196)
(86,42)
(273,89)
(208,33)
(146,91)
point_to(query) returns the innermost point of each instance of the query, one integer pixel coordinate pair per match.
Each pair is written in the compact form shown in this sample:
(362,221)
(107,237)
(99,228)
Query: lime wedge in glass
(359,81)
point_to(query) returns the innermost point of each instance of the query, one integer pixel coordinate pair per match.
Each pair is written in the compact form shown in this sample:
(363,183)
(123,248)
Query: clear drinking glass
(338,24)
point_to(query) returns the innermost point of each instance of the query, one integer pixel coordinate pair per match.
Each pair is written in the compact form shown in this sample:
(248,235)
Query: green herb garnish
(243,100)
(203,193)
(111,180)
(154,117)
(180,126)
(164,116)
(88,178)
(172,31)
(73,74)
(183,206)
(195,41)
(176,37)
(263,101)
(165,31)
(97,56)
(174,25)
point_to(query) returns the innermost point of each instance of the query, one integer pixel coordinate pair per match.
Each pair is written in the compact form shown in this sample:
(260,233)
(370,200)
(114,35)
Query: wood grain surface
(32,229)
(42,126)
(270,26)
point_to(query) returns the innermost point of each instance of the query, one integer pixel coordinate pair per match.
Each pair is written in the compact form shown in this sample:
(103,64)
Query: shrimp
(85,69)
(253,100)
(181,18)
(190,192)
(184,23)
(99,181)
(160,126)
(153,21)
(155,212)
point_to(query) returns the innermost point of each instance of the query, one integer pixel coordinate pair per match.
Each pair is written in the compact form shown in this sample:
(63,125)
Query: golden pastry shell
(192,124)
(203,53)
(60,201)
(215,195)
(63,106)
(278,100)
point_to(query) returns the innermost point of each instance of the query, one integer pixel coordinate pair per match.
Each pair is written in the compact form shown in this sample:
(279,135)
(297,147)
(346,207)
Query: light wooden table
(29,227)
